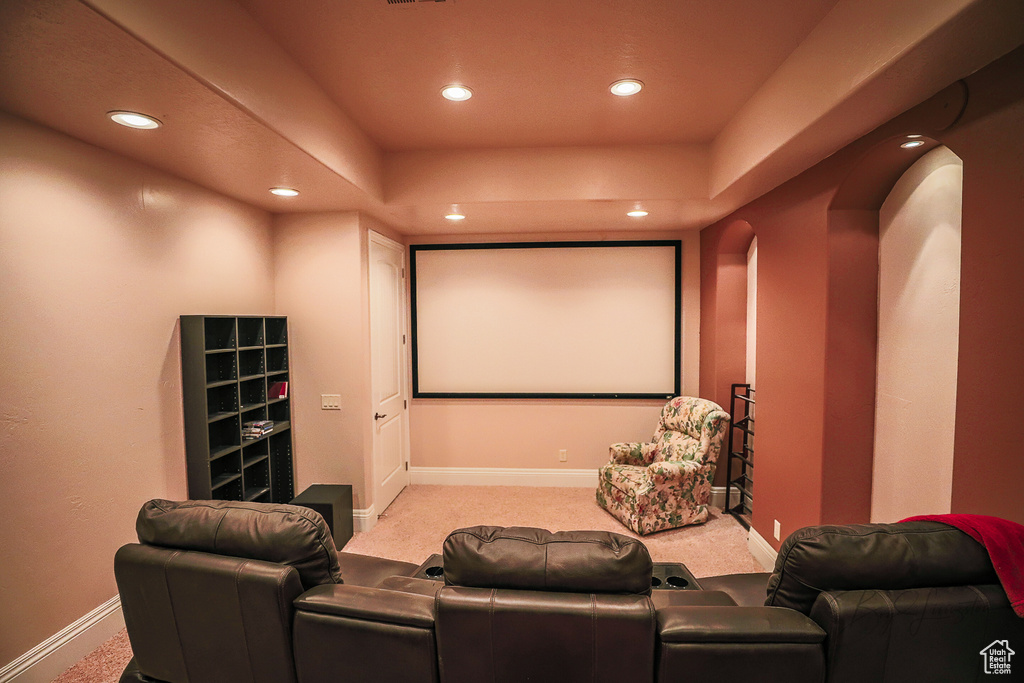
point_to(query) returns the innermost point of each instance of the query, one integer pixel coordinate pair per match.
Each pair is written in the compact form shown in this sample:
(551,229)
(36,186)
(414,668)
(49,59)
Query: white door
(387,355)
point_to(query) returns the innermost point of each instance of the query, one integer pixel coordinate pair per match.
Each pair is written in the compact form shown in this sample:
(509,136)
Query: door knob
(378,416)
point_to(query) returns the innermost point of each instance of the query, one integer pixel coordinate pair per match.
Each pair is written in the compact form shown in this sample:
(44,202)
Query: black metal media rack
(740,464)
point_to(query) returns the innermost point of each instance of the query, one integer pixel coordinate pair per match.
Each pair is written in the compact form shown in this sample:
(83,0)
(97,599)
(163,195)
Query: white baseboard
(718,497)
(502,476)
(511,476)
(54,656)
(762,551)
(364,519)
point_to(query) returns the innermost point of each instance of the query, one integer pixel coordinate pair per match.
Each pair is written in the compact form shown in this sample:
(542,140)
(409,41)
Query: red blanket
(1004,541)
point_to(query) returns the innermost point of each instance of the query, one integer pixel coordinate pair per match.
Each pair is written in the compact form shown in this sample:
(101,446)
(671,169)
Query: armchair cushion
(285,534)
(536,559)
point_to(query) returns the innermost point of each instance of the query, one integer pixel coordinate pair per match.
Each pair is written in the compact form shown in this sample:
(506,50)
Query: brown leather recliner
(914,601)
(208,596)
(524,604)
(249,592)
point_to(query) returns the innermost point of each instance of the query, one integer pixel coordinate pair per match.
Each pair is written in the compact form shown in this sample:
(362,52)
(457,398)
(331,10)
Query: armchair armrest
(674,470)
(632,453)
(764,644)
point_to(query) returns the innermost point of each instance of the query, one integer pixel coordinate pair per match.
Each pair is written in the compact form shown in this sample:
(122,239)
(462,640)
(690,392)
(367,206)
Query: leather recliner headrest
(285,534)
(536,559)
(874,557)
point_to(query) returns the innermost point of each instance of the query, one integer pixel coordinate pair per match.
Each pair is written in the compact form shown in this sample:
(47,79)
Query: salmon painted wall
(817,291)
(321,285)
(529,433)
(98,258)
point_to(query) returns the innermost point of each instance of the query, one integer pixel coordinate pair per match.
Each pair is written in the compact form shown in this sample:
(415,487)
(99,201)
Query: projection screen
(546,319)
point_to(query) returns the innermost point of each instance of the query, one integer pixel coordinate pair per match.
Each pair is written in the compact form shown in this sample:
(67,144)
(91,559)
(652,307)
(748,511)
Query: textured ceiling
(340,99)
(539,69)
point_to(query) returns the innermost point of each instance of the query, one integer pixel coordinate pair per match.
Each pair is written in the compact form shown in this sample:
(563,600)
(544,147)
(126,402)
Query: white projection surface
(593,319)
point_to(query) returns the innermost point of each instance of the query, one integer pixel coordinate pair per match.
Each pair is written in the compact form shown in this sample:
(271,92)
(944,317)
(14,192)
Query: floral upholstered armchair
(667,483)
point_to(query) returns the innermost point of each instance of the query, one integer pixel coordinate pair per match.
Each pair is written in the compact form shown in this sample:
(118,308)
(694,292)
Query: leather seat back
(194,616)
(526,604)
(874,557)
(507,636)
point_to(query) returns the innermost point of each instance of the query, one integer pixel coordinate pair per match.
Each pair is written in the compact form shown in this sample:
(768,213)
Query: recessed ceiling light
(133,119)
(284,191)
(455,216)
(626,87)
(915,136)
(639,213)
(912,144)
(456,93)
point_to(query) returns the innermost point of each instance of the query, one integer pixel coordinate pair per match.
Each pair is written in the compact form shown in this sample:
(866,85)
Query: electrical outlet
(562,455)
(330,401)
(778,530)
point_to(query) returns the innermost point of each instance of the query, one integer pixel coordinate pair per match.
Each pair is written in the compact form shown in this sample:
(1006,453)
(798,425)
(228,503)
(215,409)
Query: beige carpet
(415,525)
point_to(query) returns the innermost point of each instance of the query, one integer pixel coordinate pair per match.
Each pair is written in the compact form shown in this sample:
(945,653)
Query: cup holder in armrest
(672,576)
(432,568)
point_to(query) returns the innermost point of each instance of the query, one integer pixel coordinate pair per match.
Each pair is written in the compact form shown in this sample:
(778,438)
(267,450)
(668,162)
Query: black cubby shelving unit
(228,364)
(740,464)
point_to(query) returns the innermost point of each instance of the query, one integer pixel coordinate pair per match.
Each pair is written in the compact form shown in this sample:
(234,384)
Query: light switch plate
(330,401)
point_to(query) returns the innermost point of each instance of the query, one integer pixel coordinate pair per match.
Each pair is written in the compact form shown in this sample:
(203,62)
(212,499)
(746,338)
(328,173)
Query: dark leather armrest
(763,644)
(369,604)
(686,598)
(409,584)
(748,590)
(366,570)
(714,624)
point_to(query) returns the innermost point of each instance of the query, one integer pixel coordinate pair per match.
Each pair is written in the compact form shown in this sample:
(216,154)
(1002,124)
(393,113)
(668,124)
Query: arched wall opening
(856,486)
(723,321)
(918,340)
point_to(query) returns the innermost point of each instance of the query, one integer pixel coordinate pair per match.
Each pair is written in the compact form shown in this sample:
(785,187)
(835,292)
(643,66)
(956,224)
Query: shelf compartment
(277,359)
(224,434)
(277,331)
(221,452)
(251,363)
(251,460)
(281,483)
(250,332)
(221,366)
(278,410)
(256,479)
(220,399)
(230,491)
(219,333)
(252,393)
(224,472)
